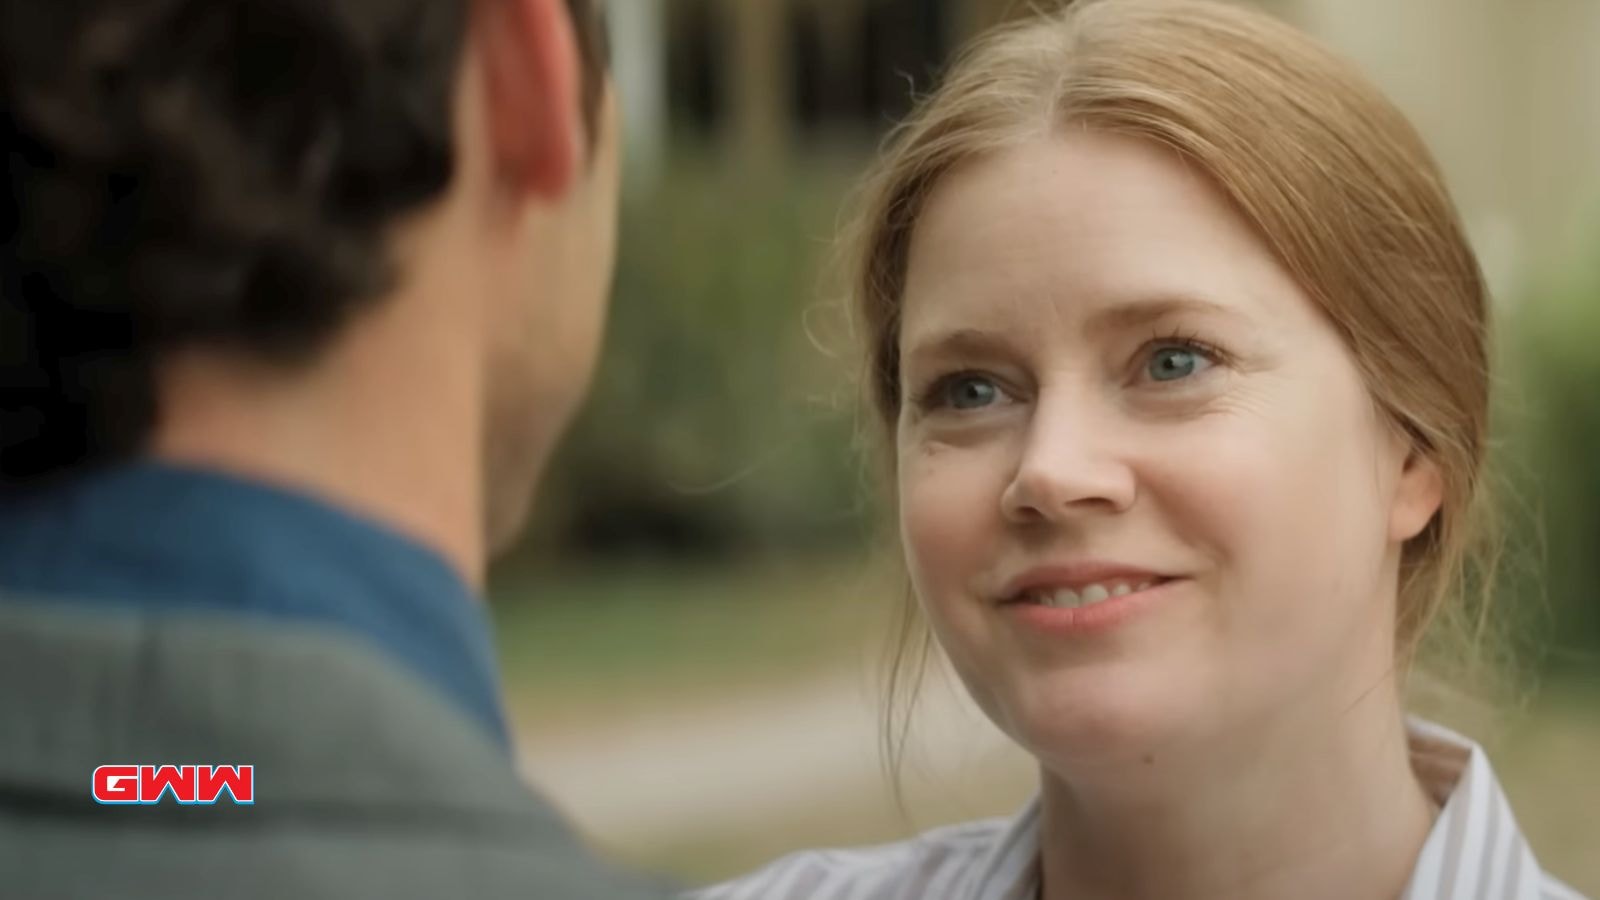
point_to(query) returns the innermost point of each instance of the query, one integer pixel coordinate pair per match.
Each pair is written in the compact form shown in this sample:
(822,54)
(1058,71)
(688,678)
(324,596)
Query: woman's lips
(1094,613)
(1071,580)
(1089,594)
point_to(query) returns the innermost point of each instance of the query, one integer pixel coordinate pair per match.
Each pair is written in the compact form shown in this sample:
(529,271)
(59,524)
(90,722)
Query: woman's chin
(1109,723)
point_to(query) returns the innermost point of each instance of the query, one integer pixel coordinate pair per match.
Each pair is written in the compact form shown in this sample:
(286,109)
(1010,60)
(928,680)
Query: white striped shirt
(1474,852)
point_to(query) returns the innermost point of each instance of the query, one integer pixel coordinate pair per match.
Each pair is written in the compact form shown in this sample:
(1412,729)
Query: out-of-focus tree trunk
(759,86)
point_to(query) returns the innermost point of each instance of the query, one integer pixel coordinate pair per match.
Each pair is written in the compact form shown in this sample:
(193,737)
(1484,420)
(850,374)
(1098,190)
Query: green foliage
(1554,443)
(717,423)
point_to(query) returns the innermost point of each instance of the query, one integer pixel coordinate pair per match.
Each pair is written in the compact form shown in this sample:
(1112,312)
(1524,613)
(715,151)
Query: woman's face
(1145,497)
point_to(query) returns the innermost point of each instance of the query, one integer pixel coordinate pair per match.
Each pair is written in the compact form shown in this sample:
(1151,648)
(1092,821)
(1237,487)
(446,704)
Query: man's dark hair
(204,172)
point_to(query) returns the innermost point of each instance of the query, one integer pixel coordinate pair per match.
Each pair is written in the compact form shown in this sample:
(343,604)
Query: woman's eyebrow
(1122,316)
(958,342)
(968,342)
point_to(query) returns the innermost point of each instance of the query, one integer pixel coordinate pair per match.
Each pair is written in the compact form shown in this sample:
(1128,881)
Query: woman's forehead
(1094,228)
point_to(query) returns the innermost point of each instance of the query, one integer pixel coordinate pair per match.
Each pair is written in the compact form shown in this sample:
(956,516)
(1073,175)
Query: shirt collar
(159,538)
(1474,850)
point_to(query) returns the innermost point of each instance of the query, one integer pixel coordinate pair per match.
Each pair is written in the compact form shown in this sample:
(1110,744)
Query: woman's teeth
(1089,595)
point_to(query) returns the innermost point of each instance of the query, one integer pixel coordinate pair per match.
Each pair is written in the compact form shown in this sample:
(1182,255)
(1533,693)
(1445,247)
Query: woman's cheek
(1264,498)
(949,509)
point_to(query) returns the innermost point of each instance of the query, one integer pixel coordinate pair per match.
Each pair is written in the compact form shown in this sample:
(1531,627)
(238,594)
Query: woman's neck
(1310,806)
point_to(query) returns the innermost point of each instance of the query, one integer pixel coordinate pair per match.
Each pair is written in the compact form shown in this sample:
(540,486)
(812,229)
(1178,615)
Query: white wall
(1507,94)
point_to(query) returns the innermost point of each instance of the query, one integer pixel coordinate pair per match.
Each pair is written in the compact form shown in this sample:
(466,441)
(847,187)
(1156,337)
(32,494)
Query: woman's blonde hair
(1329,173)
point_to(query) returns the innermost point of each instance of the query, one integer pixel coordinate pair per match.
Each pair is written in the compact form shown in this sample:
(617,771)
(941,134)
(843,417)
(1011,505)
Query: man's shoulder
(82,685)
(367,782)
(277,859)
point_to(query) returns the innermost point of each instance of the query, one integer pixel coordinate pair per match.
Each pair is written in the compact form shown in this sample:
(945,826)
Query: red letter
(116,784)
(154,781)
(239,780)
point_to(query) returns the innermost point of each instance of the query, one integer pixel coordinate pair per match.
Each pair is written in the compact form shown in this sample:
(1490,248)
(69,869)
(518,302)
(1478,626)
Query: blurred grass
(590,645)
(639,634)
(1546,759)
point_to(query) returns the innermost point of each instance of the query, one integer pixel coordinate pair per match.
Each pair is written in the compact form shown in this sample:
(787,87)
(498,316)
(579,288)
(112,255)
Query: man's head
(199,187)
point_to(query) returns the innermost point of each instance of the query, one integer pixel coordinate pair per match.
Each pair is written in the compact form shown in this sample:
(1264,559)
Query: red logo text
(188,785)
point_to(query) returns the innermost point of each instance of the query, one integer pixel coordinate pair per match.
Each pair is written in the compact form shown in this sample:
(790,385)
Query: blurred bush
(1552,430)
(723,415)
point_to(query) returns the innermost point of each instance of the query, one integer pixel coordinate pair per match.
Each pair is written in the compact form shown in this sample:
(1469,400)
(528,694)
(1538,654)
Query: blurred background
(693,633)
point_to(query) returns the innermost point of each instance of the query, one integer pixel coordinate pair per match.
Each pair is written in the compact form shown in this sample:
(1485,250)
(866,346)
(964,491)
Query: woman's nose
(1069,466)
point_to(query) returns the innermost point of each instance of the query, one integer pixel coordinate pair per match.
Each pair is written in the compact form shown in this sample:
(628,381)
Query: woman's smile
(1081,597)
(1094,609)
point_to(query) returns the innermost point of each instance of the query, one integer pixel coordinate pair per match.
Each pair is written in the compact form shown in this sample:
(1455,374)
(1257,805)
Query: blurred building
(1507,91)
(766,79)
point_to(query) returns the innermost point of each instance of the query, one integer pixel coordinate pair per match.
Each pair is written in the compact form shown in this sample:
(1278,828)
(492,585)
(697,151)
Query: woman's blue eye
(970,392)
(1174,363)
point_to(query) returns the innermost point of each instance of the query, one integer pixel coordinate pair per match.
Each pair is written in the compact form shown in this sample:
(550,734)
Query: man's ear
(530,65)
(1417,497)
